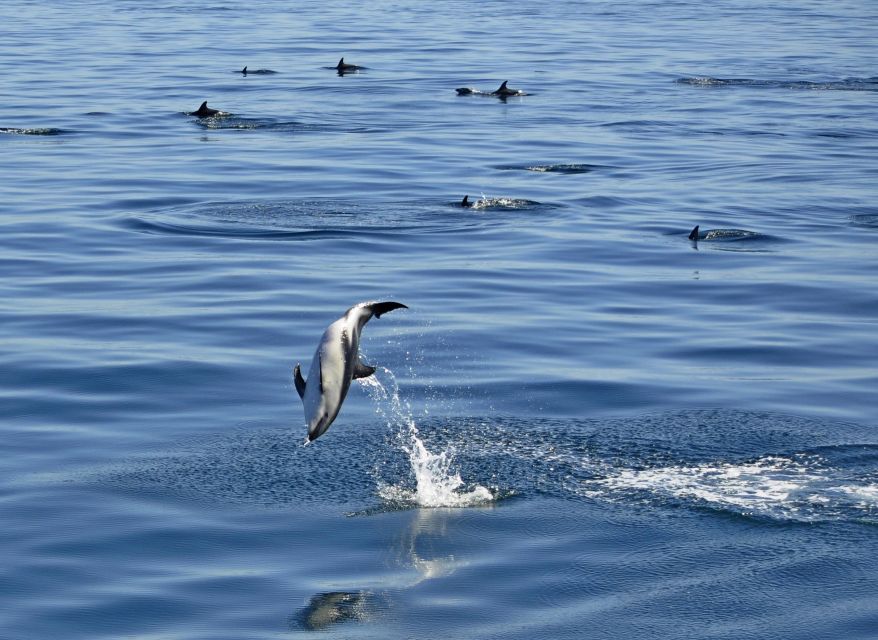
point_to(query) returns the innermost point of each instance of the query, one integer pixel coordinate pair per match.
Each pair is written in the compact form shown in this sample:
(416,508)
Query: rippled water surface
(584,425)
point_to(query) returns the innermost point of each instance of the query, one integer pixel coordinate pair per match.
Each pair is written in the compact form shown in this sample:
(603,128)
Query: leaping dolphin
(336,362)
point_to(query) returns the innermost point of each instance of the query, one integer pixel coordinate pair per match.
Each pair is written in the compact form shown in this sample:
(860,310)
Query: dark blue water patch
(36,131)
(569,168)
(866,220)
(848,84)
(771,466)
(159,227)
(264,466)
(641,125)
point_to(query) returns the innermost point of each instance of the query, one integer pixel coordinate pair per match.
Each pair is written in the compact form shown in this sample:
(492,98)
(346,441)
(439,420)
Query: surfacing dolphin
(721,234)
(336,362)
(504,92)
(342,67)
(258,72)
(204,111)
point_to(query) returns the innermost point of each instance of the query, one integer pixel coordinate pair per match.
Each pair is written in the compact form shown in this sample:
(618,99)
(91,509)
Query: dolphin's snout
(318,428)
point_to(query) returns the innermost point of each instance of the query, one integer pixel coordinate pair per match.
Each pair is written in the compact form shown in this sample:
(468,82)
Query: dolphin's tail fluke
(693,235)
(380,308)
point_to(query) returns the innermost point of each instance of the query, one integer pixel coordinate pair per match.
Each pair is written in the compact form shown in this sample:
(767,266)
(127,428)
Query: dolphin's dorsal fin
(362,370)
(244,71)
(380,308)
(503,86)
(693,235)
(300,382)
(465,201)
(203,106)
(340,63)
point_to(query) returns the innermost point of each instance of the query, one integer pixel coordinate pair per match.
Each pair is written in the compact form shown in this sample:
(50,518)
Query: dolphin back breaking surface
(335,364)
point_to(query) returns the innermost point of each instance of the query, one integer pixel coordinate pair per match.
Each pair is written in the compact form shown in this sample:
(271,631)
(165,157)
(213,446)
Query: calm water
(585,425)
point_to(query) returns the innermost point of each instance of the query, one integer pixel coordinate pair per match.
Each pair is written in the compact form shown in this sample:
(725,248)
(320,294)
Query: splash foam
(437,484)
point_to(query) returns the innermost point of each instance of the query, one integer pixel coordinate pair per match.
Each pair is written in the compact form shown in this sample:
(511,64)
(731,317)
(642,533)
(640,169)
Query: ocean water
(584,426)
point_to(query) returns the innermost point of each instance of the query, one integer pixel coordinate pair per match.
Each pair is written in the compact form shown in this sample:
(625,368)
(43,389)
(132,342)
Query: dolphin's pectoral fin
(300,382)
(362,370)
(380,308)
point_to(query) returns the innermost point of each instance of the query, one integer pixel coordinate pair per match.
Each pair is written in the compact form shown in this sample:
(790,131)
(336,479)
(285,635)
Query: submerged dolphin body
(259,72)
(336,362)
(721,234)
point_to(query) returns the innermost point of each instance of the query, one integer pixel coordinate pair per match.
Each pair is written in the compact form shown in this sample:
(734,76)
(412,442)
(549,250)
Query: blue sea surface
(585,425)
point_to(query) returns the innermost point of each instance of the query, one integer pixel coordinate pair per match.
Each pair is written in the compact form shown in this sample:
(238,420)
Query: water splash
(437,483)
(802,487)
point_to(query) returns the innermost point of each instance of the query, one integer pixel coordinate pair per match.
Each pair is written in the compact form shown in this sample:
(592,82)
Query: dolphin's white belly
(327,385)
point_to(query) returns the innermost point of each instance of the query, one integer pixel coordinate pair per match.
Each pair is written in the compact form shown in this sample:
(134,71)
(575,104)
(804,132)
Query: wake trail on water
(437,483)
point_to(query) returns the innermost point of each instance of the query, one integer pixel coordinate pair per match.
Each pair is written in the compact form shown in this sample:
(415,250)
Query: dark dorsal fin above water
(204,111)
(503,87)
(693,235)
(300,381)
(244,71)
(465,202)
(380,308)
